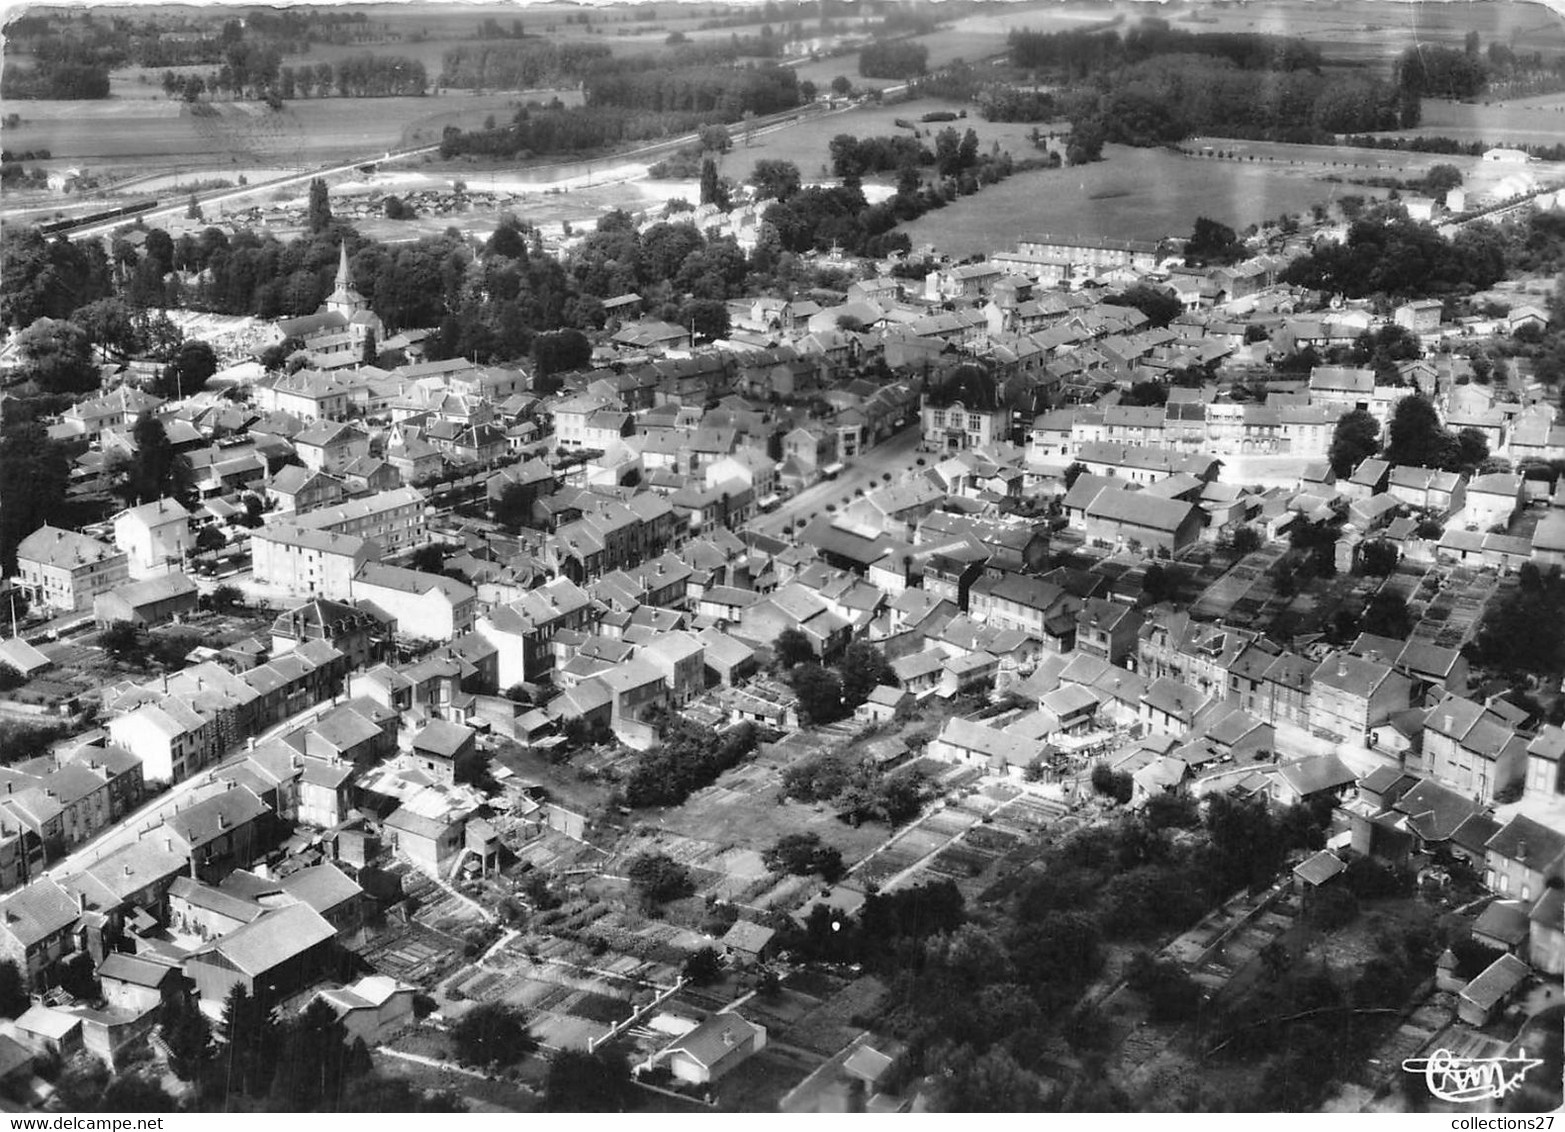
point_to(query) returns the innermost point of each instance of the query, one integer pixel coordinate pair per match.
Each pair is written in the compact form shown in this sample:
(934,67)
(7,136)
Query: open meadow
(1138,194)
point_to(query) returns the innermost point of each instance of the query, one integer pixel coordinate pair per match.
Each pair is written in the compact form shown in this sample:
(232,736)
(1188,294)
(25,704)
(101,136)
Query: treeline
(1424,144)
(377,76)
(1386,253)
(1009,104)
(577,129)
(858,157)
(47,80)
(1164,101)
(1081,53)
(519,66)
(689,758)
(1442,72)
(893,59)
(727,91)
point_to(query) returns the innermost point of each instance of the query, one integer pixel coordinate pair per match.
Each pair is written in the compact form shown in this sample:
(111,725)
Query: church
(335,335)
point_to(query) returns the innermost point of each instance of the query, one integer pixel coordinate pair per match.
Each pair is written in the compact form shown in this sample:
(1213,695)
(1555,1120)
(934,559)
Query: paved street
(898,456)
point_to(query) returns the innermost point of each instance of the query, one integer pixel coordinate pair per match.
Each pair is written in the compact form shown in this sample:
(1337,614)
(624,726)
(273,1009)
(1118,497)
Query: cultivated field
(1521,121)
(155,134)
(1142,194)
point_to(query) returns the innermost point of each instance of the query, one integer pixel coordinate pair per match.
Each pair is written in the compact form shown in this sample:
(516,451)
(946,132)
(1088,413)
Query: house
(64,571)
(1493,500)
(37,929)
(296,561)
(361,633)
(1503,926)
(1314,873)
(219,833)
(1107,630)
(431,606)
(1350,696)
(884,704)
(1315,776)
(1544,754)
(703,1055)
(155,536)
(150,602)
(1522,857)
(1421,316)
(440,745)
(1546,933)
(1137,519)
(298,489)
(373,1010)
(747,943)
(330,446)
(1480,1001)
(279,953)
(1471,749)
(130,982)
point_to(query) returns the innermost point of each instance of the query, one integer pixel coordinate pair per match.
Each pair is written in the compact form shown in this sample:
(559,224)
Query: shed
(1481,999)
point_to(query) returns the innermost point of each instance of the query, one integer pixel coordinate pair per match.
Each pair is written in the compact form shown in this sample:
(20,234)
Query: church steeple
(343,298)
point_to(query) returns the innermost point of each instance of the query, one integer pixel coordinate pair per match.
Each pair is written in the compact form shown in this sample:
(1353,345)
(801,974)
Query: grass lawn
(1540,120)
(761,1081)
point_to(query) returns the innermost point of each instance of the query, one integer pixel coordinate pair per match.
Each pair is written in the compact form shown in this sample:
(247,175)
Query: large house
(154,536)
(64,571)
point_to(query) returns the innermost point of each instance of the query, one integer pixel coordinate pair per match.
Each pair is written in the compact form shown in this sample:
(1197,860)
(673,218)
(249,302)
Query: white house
(154,536)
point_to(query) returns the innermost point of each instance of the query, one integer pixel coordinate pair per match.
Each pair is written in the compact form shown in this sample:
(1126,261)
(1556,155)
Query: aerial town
(601,652)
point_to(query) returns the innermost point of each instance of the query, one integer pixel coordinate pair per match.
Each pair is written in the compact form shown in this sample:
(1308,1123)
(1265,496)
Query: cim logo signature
(1467,1080)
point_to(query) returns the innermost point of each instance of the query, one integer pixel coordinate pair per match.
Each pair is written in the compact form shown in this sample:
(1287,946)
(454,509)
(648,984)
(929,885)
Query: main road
(897,457)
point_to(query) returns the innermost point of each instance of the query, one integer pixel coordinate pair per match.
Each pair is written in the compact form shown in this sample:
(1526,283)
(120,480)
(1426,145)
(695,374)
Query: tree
(1160,307)
(588,1082)
(154,471)
(56,355)
(35,472)
(659,878)
(318,214)
(108,326)
(1377,558)
(1246,539)
(992,1081)
(1355,439)
(513,508)
(820,694)
(1416,435)
(1073,473)
(14,1000)
(122,641)
(193,363)
(397,209)
(791,648)
(702,967)
(712,191)
(708,318)
(841,85)
(1441,179)
(863,668)
(1472,449)
(715,138)
(188,1036)
(804,854)
(226,597)
(558,351)
(1084,144)
(1212,244)
(492,1034)
(1111,783)
(776,180)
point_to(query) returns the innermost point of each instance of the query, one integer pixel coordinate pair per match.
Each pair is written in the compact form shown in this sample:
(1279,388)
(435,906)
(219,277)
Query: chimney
(1342,666)
(250,743)
(222,821)
(81,901)
(1446,721)
(127,870)
(168,844)
(1521,850)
